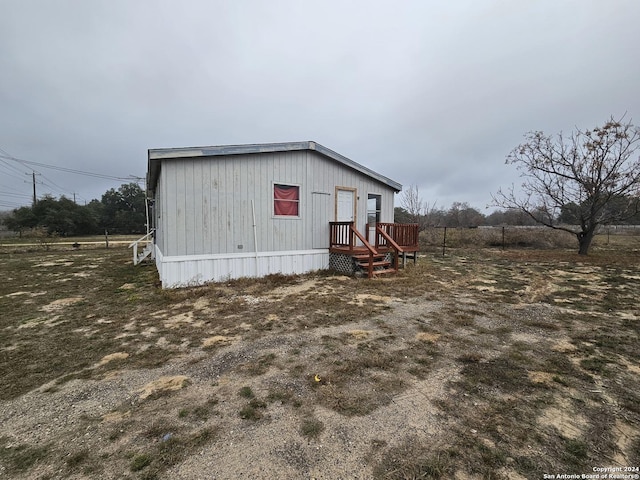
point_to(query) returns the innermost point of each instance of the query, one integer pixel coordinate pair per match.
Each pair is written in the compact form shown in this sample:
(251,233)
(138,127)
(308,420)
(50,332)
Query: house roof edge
(155,155)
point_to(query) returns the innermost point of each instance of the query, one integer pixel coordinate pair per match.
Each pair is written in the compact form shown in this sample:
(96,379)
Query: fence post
(502,238)
(444,241)
(106,238)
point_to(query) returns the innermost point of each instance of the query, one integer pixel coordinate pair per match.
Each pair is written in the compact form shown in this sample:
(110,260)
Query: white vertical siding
(158,210)
(206,202)
(189,270)
(205,175)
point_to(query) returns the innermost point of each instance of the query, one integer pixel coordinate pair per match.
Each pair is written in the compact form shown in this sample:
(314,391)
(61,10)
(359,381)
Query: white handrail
(142,239)
(134,244)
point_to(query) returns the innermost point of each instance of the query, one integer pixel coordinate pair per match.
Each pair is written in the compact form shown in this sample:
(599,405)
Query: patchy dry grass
(479,364)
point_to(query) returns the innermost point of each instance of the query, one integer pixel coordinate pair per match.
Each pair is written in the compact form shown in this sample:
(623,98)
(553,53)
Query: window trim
(273,200)
(378,212)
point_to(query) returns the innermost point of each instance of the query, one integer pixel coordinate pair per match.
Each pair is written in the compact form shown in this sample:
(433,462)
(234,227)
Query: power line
(23,167)
(4,163)
(12,167)
(53,184)
(9,194)
(67,170)
(13,176)
(11,187)
(53,188)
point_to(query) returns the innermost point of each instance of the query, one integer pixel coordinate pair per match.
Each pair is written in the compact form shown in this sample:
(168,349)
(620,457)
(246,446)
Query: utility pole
(33,176)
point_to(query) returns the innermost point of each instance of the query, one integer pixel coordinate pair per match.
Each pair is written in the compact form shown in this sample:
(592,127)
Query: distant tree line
(120,211)
(460,214)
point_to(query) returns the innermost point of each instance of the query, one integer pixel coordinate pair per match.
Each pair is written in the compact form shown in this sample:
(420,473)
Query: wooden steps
(379,256)
(379,265)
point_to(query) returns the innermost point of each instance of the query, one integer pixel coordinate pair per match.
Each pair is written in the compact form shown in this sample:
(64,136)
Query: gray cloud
(427,94)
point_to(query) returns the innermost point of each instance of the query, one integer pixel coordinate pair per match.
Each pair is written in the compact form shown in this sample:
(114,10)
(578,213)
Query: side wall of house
(158,219)
(205,210)
(206,205)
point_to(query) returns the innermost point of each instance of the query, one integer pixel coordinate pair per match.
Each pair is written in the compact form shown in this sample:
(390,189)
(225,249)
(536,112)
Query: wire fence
(442,239)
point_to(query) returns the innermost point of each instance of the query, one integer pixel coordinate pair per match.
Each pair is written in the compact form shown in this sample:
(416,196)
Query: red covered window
(286,200)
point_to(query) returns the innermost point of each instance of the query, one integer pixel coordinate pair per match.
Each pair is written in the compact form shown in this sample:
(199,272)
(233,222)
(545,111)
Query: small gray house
(226,212)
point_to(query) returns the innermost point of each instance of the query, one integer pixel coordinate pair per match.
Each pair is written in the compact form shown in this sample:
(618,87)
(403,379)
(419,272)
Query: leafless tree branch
(591,174)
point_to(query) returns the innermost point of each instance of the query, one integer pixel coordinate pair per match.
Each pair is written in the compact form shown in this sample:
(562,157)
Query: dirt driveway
(477,365)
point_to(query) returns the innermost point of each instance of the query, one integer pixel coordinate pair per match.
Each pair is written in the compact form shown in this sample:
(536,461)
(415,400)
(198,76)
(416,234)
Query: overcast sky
(433,94)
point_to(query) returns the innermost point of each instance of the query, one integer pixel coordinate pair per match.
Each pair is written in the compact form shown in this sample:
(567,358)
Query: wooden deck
(347,250)
(399,239)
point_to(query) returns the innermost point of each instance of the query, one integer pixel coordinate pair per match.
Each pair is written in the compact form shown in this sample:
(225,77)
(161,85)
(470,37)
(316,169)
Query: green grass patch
(140,461)
(22,457)
(246,392)
(311,428)
(254,410)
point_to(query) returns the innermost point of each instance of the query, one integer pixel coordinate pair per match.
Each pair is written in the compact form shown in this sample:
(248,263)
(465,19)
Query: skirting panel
(343,263)
(200,269)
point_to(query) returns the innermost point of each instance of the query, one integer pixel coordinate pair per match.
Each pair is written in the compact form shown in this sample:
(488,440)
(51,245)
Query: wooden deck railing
(372,251)
(382,235)
(341,235)
(402,239)
(404,235)
(345,235)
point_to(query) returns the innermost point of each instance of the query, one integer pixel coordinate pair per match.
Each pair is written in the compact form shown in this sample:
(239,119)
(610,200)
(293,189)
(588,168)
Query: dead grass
(524,363)
(413,458)
(19,458)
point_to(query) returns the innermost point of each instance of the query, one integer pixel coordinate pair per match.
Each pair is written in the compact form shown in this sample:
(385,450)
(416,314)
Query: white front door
(345,205)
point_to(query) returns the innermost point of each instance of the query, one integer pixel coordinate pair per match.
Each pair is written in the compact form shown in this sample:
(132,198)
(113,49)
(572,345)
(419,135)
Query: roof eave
(155,155)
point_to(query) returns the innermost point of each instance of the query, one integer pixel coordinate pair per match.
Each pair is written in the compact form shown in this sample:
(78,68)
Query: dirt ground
(478,365)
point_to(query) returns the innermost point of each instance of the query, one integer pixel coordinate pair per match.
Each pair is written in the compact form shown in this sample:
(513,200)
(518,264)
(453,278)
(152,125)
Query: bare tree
(412,202)
(587,173)
(417,208)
